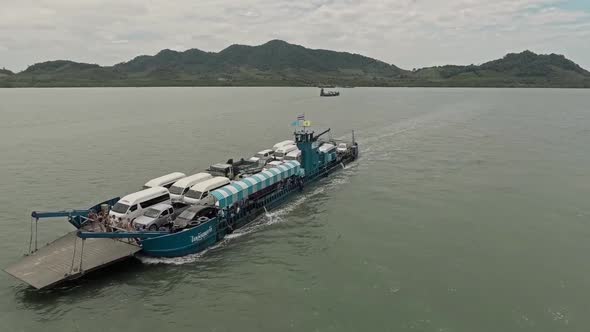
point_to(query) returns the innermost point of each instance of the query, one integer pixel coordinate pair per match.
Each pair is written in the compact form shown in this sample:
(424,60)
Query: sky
(407,33)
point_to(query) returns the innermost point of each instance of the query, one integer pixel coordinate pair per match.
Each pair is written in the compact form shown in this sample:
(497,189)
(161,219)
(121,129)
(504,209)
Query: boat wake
(174,260)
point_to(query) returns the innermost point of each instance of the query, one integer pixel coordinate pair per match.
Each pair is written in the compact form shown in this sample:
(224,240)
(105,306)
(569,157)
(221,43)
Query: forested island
(278,63)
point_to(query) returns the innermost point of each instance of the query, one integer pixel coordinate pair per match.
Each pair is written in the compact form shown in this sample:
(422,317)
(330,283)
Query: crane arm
(57,214)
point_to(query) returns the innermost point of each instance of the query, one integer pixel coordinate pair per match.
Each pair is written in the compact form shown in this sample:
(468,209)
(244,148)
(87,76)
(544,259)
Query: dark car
(195,215)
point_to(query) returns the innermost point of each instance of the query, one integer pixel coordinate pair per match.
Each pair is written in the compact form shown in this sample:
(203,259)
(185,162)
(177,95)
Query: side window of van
(155,200)
(133,208)
(185,190)
(162,198)
(205,194)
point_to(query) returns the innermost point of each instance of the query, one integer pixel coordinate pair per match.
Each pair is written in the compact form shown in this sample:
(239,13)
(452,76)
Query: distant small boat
(329,93)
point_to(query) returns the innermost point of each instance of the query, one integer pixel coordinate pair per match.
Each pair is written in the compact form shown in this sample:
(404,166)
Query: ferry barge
(329,93)
(100,240)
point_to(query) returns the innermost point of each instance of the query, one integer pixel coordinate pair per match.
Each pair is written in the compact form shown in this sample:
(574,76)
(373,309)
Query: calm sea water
(468,210)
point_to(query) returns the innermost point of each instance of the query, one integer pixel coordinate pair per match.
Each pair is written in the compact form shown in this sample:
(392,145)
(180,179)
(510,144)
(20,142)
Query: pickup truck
(158,215)
(262,157)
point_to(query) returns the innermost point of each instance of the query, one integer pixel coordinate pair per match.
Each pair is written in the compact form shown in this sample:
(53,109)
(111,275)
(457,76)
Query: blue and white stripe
(227,195)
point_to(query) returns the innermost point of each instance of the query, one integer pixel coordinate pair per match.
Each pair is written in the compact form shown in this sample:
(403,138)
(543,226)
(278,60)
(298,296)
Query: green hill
(273,63)
(522,69)
(278,63)
(5,72)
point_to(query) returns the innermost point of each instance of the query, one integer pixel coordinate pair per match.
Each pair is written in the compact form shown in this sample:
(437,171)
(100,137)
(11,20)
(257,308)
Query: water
(468,210)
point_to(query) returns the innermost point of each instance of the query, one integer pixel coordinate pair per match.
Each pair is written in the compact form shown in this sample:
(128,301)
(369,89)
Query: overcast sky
(407,33)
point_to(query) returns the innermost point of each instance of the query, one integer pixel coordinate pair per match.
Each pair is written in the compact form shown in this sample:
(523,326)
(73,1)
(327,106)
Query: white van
(281,144)
(180,187)
(294,155)
(165,181)
(201,190)
(283,150)
(132,205)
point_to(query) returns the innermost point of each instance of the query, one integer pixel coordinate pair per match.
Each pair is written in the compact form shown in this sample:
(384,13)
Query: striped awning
(238,190)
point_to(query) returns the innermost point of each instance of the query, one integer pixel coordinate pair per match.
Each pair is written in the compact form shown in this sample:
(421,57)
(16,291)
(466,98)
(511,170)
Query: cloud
(408,33)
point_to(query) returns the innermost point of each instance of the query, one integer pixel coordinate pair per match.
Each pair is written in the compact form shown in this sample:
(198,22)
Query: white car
(158,215)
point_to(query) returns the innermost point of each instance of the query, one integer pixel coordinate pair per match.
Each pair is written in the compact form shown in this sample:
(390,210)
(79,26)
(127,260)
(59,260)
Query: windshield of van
(193,194)
(279,154)
(120,208)
(152,213)
(176,190)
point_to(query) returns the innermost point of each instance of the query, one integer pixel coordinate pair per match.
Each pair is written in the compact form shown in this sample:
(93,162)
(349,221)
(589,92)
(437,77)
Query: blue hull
(185,242)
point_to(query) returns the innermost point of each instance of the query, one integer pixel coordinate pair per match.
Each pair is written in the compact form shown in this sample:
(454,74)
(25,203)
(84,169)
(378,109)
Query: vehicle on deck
(201,190)
(327,148)
(132,205)
(235,170)
(158,216)
(182,186)
(342,148)
(293,155)
(262,156)
(283,151)
(165,181)
(194,216)
(221,169)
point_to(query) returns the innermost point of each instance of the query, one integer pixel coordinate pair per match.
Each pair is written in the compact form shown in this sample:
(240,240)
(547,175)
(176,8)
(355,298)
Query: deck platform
(60,260)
